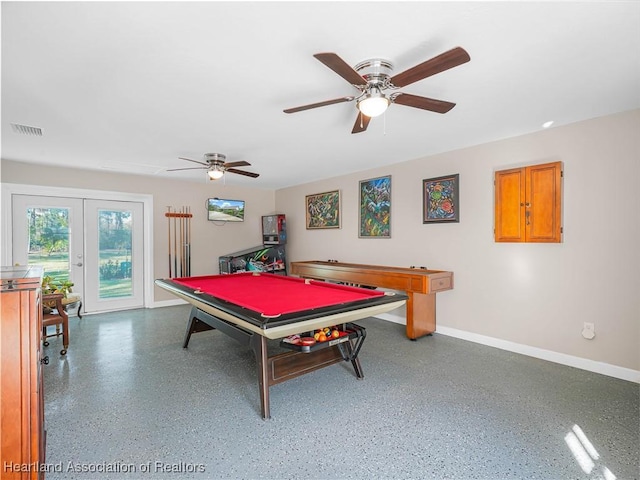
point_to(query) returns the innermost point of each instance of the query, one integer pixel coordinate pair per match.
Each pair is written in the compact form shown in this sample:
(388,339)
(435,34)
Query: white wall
(209,240)
(532,295)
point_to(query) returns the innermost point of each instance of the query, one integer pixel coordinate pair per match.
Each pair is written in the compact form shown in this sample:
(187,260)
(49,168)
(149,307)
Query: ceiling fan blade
(444,61)
(194,161)
(242,172)
(362,122)
(189,168)
(241,163)
(319,104)
(438,106)
(342,68)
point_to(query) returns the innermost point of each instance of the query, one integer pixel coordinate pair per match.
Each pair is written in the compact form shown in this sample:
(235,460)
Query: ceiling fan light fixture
(373,104)
(215,173)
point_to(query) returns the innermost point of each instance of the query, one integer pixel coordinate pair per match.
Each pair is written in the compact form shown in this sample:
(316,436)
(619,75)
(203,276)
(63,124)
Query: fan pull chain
(361,125)
(384,123)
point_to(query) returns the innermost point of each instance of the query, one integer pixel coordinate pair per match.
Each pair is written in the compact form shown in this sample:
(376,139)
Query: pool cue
(182,242)
(175,251)
(169,244)
(181,221)
(186,245)
(189,240)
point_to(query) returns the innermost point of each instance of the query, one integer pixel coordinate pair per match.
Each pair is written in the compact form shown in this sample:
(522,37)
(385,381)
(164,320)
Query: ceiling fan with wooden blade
(319,104)
(216,166)
(378,88)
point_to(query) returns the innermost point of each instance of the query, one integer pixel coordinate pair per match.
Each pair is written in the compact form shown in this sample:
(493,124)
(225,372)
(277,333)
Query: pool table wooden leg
(259,347)
(194,325)
(187,334)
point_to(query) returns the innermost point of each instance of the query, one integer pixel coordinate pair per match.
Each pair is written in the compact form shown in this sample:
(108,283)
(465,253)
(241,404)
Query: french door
(48,231)
(95,244)
(114,271)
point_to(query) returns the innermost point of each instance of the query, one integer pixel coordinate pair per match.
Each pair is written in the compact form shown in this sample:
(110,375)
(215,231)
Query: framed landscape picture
(323,210)
(375,208)
(441,199)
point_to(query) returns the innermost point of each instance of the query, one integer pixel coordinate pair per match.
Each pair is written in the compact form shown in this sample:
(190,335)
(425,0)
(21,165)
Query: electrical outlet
(588,330)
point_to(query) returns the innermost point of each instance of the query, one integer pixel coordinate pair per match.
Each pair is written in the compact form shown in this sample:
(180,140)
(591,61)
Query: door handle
(79,264)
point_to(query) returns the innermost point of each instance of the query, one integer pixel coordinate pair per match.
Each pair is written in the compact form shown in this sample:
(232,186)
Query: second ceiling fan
(216,166)
(373,79)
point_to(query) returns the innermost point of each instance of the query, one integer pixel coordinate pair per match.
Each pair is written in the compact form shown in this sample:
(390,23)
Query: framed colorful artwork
(375,208)
(441,199)
(323,210)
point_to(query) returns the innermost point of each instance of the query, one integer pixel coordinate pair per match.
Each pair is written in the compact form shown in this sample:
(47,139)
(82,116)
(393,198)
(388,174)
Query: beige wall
(209,239)
(535,295)
(530,294)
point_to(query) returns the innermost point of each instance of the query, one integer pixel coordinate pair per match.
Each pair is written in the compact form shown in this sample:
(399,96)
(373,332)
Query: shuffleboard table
(255,307)
(420,285)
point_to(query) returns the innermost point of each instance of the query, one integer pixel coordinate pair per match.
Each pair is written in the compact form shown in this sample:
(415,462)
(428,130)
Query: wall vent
(26,130)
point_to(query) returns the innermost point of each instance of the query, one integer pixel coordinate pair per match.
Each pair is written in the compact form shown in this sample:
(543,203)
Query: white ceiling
(131,87)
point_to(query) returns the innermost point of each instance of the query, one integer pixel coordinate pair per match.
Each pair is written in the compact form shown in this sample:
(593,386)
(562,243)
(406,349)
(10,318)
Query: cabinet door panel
(509,202)
(543,203)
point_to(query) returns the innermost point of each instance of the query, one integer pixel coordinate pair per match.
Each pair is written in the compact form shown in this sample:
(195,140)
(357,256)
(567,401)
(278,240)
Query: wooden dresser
(420,285)
(22,436)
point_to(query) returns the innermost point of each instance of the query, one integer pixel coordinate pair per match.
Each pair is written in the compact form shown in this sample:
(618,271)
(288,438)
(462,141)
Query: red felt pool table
(255,307)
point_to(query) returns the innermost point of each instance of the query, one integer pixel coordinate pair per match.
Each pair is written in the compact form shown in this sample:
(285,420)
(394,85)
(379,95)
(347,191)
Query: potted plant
(50,285)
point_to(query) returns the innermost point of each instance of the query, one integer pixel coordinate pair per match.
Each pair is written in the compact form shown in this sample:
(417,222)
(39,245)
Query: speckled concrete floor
(128,402)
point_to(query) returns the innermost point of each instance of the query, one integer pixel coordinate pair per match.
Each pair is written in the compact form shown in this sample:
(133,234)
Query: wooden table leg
(259,347)
(421,314)
(194,325)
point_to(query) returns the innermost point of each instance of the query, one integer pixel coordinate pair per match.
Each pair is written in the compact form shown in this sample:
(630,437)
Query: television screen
(223,210)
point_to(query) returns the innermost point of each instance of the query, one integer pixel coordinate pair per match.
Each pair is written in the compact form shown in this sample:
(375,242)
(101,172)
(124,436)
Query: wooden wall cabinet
(22,436)
(528,204)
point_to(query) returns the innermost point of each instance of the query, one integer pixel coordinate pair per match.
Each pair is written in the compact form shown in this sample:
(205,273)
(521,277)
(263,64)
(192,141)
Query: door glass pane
(49,241)
(114,251)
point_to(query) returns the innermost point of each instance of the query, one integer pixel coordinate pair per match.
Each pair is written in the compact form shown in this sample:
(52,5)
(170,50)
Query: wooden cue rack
(179,241)
(420,285)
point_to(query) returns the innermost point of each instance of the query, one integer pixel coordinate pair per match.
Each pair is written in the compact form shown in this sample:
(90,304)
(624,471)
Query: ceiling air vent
(26,130)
